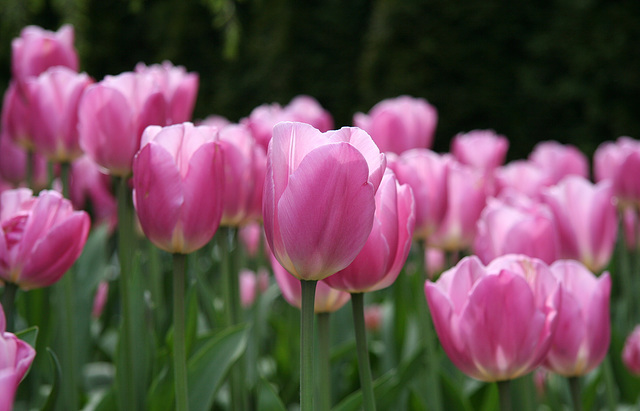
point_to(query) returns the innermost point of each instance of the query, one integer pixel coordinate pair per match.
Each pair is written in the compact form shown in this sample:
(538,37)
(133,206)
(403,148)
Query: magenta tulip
(16,117)
(620,163)
(251,235)
(378,264)
(631,352)
(178,186)
(400,124)
(496,322)
(89,188)
(13,164)
(586,219)
(319,197)
(41,237)
(306,109)
(251,285)
(482,149)
(178,87)
(112,116)
(559,160)
(582,337)
(516,225)
(16,357)
(54,97)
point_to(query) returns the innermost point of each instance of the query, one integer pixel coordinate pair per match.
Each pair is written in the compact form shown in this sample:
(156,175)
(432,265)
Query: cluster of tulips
(505,264)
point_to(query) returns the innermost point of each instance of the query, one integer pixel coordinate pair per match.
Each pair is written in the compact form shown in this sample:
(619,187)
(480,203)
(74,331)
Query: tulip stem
(324,361)
(179,349)
(28,173)
(8,305)
(306,344)
(364,368)
(574,386)
(504,393)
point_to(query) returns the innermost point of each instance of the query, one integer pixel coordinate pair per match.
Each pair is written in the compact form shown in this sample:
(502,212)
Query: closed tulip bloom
(400,124)
(37,49)
(16,117)
(586,219)
(54,97)
(41,237)
(178,186)
(89,188)
(13,164)
(523,177)
(631,352)
(327,299)
(484,150)
(319,197)
(582,337)
(620,163)
(251,285)
(516,226)
(250,235)
(383,256)
(495,322)
(16,357)
(244,171)
(112,116)
(179,88)
(559,160)
(306,109)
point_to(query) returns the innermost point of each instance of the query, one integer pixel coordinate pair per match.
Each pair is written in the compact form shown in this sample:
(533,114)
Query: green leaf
(29,335)
(55,385)
(268,399)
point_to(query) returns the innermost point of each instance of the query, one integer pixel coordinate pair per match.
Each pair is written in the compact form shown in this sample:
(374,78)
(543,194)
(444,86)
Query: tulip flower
(319,197)
(37,49)
(100,299)
(306,109)
(523,177)
(54,97)
(582,337)
(516,225)
(13,164)
(631,352)
(251,285)
(16,357)
(495,322)
(91,188)
(178,87)
(620,163)
(373,317)
(112,116)
(177,186)
(586,219)
(16,117)
(482,149)
(41,237)
(400,124)
(386,250)
(559,160)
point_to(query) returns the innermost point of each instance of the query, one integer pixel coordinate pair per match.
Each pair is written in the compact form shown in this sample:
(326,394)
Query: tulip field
(150,260)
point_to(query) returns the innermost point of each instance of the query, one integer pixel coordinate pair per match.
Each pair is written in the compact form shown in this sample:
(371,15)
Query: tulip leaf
(29,335)
(55,385)
(268,399)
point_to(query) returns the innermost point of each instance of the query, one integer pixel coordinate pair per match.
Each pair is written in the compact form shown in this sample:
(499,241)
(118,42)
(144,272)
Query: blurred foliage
(567,70)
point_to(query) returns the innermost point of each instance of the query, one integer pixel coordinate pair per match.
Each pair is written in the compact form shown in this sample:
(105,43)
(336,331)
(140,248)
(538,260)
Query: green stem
(364,368)
(179,350)
(324,362)
(574,386)
(609,383)
(505,395)
(306,344)
(8,305)
(29,169)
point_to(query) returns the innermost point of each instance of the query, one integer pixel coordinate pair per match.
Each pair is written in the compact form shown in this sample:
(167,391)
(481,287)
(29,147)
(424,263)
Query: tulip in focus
(16,357)
(559,160)
(400,124)
(495,322)
(178,186)
(582,337)
(41,237)
(378,264)
(631,352)
(319,197)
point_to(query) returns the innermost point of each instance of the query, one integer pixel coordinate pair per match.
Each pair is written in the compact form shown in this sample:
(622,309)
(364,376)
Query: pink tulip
(100,299)
(435,262)
(306,109)
(386,250)
(214,120)
(178,87)
(178,186)
(516,225)
(482,149)
(586,219)
(244,172)
(250,236)
(41,237)
(631,352)
(400,124)
(630,228)
(327,299)
(89,188)
(426,173)
(319,197)
(620,163)
(113,114)
(16,357)
(522,177)
(496,322)
(582,337)
(13,164)
(37,49)
(559,160)
(251,285)
(16,117)
(373,317)
(54,97)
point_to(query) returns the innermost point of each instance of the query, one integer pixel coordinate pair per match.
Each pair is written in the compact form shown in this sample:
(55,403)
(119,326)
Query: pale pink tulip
(16,357)
(400,124)
(250,236)
(251,285)
(378,264)
(435,261)
(559,160)
(306,109)
(582,337)
(41,237)
(586,219)
(13,164)
(319,197)
(496,322)
(484,150)
(373,317)
(620,163)
(16,117)
(631,352)
(522,177)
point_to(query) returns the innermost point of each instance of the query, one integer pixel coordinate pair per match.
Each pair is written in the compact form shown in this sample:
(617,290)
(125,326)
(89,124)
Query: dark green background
(532,70)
